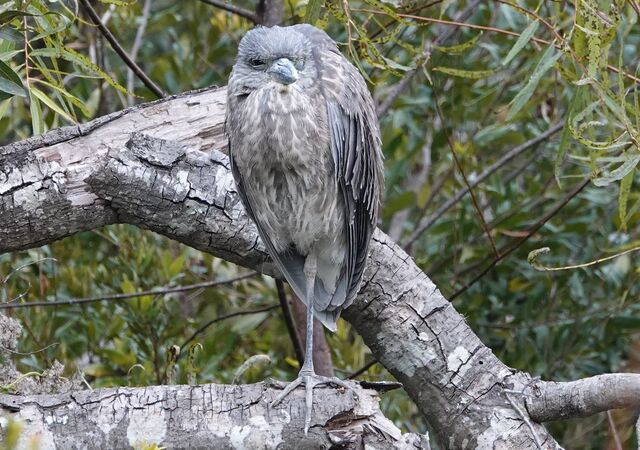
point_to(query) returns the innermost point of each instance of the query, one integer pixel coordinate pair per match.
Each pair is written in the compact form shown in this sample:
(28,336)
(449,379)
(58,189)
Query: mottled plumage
(305,153)
(307,161)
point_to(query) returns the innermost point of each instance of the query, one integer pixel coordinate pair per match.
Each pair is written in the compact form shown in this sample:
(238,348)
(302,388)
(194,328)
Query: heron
(305,153)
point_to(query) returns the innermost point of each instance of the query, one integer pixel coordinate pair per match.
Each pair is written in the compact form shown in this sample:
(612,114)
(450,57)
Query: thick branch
(203,416)
(161,166)
(552,401)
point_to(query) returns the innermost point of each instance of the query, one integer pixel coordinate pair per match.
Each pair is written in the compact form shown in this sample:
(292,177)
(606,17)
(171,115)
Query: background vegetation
(533,104)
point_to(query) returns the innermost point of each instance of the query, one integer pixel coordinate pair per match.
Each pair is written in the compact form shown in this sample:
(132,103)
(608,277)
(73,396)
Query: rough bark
(161,166)
(203,416)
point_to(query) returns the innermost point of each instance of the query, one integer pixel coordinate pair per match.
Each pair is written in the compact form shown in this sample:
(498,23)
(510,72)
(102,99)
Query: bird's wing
(356,150)
(290,263)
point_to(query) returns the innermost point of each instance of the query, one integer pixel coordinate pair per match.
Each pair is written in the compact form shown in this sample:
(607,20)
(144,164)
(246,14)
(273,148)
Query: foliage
(501,75)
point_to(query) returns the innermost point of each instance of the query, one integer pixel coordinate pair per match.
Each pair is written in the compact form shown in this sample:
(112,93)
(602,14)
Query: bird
(306,156)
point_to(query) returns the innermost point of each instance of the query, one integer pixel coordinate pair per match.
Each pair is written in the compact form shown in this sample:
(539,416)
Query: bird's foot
(310,381)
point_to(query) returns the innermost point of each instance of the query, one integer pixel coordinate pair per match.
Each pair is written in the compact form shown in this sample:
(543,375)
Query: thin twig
(204,327)
(614,431)
(524,418)
(362,369)
(233,9)
(288,320)
(561,204)
(508,156)
(137,41)
(483,222)
(169,290)
(115,45)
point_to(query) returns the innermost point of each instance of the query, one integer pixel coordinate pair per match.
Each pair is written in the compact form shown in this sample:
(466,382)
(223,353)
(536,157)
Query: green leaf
(8,33)
(524,38)
(118,2)
(10,83)
(623,198)
(312,14)
(69,97)
(565,138)
(619,173)
(11,14)
(471,74)
(82,61)
(460,48)
(37,121)
(51,104)
(548,59)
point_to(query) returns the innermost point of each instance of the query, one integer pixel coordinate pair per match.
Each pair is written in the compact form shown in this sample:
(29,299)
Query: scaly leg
(307,375)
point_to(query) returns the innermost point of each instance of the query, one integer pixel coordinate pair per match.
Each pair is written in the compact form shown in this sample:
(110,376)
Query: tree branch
(160,166)
(203,416)
(111,297)
(115,45)
(547,400)
(504,159)
(233,9)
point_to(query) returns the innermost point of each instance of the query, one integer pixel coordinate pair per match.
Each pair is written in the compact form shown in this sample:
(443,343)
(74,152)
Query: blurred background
(532,105)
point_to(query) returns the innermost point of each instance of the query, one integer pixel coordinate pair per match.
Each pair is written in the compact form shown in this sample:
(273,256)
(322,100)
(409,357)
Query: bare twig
(245,13)
(511,154)
(524,418)
(169,290)
(362,369)
(614,431)
(204,327)
(115,45)
(137,41)
(483,222)
(561,204)
(288,320)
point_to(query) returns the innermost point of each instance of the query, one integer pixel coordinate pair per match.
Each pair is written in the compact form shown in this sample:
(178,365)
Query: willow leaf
(623,198)
(460,48)
(471,74)
(51,104)
(37,121)
(312,14)
(10,83)
(619,173)
(548,59)
(523,40)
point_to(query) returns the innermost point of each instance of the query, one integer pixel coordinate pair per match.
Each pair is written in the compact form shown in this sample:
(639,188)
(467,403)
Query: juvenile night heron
(305,153)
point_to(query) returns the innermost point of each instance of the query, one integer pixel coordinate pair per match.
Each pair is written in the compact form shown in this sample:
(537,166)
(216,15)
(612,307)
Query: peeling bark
(203,416)
(161,166)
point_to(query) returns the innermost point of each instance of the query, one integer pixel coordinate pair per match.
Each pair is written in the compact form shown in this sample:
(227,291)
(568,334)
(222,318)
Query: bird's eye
(257,63)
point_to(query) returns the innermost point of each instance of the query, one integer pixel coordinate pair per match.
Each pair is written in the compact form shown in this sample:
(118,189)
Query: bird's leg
(307,375)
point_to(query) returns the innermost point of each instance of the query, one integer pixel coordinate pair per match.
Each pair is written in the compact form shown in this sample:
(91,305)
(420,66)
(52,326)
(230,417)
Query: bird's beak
(283,71)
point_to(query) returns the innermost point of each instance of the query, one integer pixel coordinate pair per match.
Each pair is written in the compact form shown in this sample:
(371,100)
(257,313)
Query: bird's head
(273,57)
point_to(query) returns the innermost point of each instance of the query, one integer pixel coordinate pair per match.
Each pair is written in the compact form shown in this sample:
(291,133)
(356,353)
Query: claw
(310,381)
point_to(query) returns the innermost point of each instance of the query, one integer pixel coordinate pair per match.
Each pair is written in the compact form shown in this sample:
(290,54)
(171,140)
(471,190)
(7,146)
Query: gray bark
(161,166)
(207,416)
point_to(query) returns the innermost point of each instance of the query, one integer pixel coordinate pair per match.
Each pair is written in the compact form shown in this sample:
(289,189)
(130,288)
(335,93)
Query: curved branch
(549,400)
(161,166)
